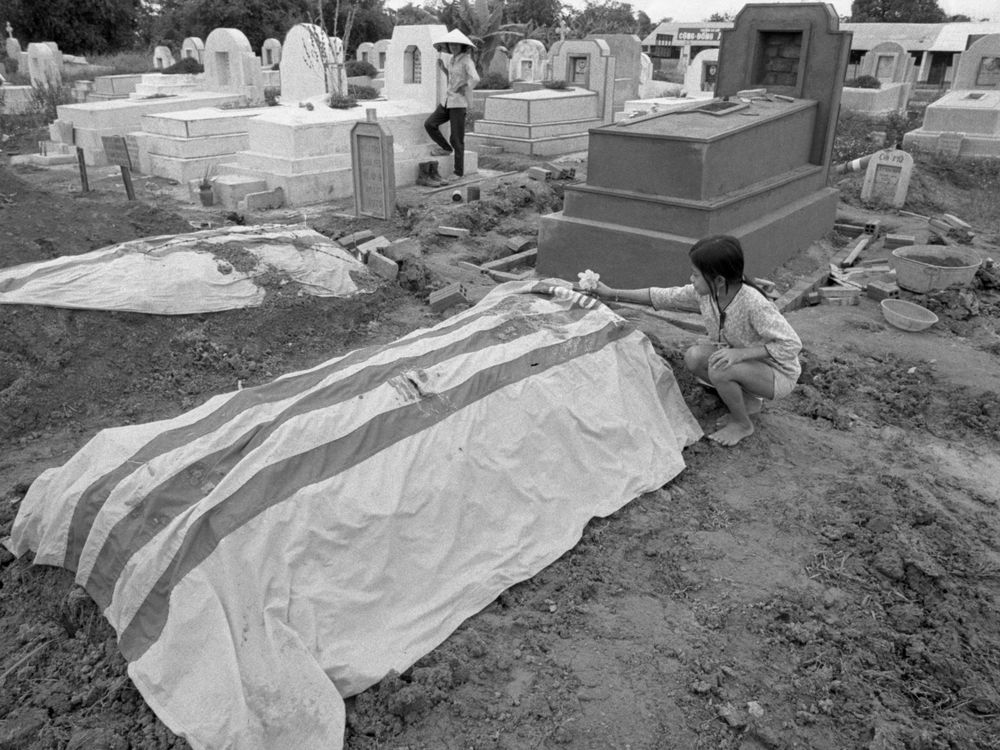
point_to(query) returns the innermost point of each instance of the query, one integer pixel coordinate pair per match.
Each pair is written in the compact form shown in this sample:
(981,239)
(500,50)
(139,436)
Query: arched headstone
(527,61)
(194,49)
(43,67)
(162,57)
(231,66)
(381,52)
(366,53)
(306,57)
(270,53)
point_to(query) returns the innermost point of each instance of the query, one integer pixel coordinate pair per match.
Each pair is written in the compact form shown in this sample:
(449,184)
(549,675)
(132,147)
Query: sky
(699,10)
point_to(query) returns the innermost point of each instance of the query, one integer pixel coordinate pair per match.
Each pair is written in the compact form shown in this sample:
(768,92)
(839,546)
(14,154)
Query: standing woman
(462,79)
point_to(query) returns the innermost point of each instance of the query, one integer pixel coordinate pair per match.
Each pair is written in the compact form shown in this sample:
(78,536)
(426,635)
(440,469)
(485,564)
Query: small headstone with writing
(374,169)
(887,178)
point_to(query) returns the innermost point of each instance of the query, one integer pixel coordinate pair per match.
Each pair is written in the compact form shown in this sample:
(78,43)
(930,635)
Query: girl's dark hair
(720,255)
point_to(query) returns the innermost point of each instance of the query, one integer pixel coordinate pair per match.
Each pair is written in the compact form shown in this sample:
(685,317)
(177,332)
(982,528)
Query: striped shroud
(282,546)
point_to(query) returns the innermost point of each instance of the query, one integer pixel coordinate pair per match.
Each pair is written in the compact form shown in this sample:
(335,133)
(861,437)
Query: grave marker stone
(374,169)
(308,56)
(232,67)
(162,58)
(887,178)
(411,70)
(588,64)
(366,53)
(526,61)
(270,53)
(979,66)
(887,61)
(11,46)
(950,144)
(194,49)
(43,68)
(381,54)
(702,74)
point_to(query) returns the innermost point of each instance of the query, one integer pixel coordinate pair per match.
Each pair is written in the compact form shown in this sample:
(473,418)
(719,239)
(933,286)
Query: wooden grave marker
(116,149)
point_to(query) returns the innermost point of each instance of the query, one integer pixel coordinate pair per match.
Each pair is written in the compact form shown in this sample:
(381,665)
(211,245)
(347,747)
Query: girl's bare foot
(732,433)
(754,405)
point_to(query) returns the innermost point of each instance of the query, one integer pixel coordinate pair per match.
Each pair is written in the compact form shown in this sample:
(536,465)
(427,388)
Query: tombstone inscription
(374,169)
(887,178)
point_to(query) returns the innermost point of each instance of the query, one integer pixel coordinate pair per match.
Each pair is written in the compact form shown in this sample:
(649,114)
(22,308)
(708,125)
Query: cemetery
(300,448)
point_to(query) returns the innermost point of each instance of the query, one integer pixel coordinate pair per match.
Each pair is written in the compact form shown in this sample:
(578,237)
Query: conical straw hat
(453,37)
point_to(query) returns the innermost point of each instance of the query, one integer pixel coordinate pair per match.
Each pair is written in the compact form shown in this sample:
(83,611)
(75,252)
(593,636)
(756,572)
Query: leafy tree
(896,11)
(536,12)
(603,17)
(482,22)
(644,24)
(257,19)
(720,17)
(94,26)
(414,15)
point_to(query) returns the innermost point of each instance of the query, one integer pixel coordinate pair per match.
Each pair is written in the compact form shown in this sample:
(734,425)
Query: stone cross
(563,30)
(10,30)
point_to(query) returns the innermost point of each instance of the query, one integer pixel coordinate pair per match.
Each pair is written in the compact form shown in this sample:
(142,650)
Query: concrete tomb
(306,152)
(307,64)
(893,66)
(547,121)
(44,66)
(366,53)
(411,71)
(270,53)
(756,169)
(526,61)
(702,75)
(232,67)
(887,178)
(193,48)
(966,120)
(626,49)
(162,57)
(185,145)
(114,87)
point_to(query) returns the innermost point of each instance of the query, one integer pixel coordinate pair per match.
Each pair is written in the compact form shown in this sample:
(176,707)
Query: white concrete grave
(184,146)
(527,61)
(193,48)
(306,152)
(232,67)
(547,121)
(366,53)
(893,66)
(966,120)
(411,71)
(701,75)
(162,57)
(44,68)
(270,53)
(887,178)
(306,64)
(381,54)
(153,85)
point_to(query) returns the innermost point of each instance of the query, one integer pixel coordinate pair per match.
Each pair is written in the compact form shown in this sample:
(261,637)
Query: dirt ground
(830,583)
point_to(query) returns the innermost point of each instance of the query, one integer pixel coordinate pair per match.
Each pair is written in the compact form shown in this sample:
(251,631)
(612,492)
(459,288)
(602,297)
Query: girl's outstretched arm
(636,296)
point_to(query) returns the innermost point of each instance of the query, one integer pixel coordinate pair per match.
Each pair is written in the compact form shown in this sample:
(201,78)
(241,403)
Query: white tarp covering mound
(179,274)
(283,546)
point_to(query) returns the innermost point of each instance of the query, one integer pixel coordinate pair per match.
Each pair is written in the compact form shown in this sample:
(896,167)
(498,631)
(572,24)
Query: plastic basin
(924,268)
(908,316)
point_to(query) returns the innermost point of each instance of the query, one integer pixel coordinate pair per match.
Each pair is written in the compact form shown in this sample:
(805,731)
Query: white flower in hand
(588,280)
